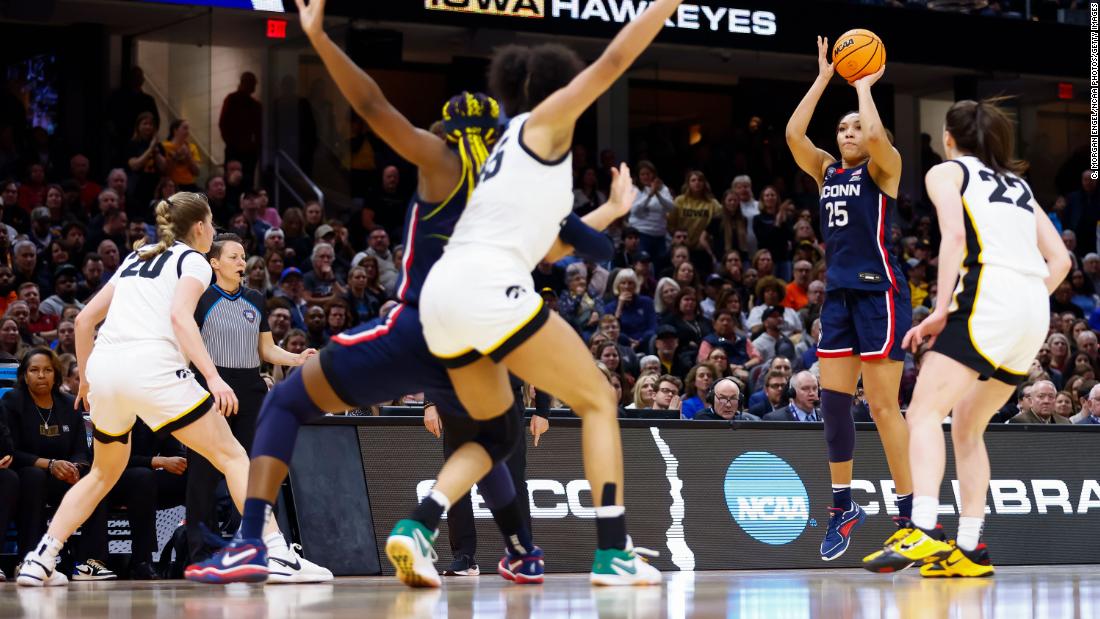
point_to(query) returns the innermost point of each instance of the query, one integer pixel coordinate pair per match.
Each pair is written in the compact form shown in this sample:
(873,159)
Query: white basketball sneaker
(36,571)
(624,568)
(286,566)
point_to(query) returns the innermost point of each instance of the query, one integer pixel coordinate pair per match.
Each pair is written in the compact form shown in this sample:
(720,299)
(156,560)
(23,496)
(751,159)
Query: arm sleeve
(588,243)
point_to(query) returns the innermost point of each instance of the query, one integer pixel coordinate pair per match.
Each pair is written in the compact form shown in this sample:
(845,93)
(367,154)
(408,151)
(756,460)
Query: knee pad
(499,436)
(840,429)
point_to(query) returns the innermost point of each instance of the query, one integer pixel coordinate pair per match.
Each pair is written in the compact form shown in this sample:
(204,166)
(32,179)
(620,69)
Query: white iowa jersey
(1000,213)
(519,203)
(142,304)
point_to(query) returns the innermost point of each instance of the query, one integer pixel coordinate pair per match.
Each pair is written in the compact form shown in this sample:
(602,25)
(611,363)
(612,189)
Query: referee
(234,327)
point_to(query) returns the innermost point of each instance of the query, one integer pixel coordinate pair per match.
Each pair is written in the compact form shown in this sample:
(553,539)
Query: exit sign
(1065,90)
(276,29)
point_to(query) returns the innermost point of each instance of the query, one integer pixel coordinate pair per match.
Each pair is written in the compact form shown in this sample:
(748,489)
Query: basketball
(858,53)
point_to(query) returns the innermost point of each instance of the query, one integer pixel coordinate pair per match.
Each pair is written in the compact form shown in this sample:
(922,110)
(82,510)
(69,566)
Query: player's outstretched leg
(970,557)
(539,361)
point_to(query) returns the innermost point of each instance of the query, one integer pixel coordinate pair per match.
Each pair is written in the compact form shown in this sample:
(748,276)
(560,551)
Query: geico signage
(549,498)
(687,17)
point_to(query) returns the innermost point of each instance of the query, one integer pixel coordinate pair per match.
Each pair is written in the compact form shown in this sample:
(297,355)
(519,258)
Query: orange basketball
(858,53)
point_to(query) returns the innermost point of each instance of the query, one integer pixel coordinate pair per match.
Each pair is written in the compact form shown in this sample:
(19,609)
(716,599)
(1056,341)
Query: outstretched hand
(623,190)
(312,15)
(824,67)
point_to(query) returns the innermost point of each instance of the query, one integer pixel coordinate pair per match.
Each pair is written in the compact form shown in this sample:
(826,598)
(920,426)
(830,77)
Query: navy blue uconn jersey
(428,227)
(854,225)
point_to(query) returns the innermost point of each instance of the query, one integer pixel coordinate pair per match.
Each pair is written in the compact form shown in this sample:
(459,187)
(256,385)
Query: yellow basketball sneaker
(904,528)
(961,563)
(918,546)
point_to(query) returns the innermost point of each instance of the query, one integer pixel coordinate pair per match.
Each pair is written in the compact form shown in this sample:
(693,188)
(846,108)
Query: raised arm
(366,98)
(810,158)
(549,131)
(883,154)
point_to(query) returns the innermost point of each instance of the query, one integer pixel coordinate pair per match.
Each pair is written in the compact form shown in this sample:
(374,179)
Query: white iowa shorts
(998,321)
(146,380)
(473,306)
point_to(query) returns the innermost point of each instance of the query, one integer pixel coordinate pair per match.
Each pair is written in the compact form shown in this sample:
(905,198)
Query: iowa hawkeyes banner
(709,497)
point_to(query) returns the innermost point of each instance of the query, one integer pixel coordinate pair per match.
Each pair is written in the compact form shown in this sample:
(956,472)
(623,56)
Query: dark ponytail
(522,77)
(984,130)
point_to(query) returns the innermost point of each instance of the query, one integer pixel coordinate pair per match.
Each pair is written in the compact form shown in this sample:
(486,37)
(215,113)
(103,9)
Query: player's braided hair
(471,122)
(175,217)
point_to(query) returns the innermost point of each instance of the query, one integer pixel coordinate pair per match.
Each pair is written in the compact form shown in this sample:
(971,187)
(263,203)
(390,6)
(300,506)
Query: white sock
(275,540)
(48,547)
(440,498)
(970,531)
(610,511)
(924,512)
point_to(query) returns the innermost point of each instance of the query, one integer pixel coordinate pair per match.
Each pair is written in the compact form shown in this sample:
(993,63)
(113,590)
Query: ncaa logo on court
(766,498)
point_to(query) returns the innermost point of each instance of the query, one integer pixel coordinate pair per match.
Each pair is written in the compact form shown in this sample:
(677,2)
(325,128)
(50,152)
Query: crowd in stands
(1039,10)
(709,307)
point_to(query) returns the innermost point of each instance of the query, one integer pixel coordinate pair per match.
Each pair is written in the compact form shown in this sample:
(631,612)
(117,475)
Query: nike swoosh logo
(229,560)
(623,566)
(514,565)
(294,566)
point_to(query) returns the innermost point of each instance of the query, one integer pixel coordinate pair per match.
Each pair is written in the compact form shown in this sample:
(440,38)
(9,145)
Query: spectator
(775,386)
(667,397)
(1084,294)
(32,192)
(89,190)
(166,188)
(730,232)
(114,227)
(337,317)
(91,271)
(390,205)
(250,208)
(815,298)
(608,354)
(713,288)
(1083,392)
(803,404)
(695,209)
(8,293)
(783,364)
(1043,396)
(365,295)
(315,216)
(643,268)
(41,230)
(664,299)
(725,403)
(797,294)
(576,306)
(610,327)
(268,212)
(12,233)
(1087,343)
(649,213)
(379,247)
(685,274)
(649,364)
(241,126)
(38,323)
(50,455)
(292,289)
(1018,405)
(274,241)
(316,324)
(1090,412)
(66,339)
(587,196)
(629,251)
(322,283)
(1059,351)
(750,208)
(27,268)
(145,160)
(258,278)
(275,264)
(20,313)
(1090,264)
(217,196)
(770,292)
(1063,404)
(772,342)
(549,275)
(1069,239)
(129,105)
(633,311)
(807,347)
(773,231)
(696,385)
(740,355)
(119,183)
(108,251)
(690,325)
(278,318)
(550,298)
(645,390)
(182,156)
(666,345)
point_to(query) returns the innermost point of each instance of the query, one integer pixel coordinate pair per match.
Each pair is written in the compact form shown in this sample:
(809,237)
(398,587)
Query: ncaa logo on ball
(843,45)
(766,498)
(250,315)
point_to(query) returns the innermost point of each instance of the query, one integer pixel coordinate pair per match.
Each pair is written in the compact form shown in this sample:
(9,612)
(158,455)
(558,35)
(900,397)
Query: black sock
(517,537)
(842,498)
(611,532)
(428,513)
(905,505)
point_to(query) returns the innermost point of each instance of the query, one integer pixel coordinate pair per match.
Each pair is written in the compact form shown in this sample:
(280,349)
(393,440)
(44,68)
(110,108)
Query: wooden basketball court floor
(1044,591)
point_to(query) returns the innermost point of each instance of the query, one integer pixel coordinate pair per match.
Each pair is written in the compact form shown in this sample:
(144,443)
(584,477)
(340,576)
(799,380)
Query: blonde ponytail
(175,217)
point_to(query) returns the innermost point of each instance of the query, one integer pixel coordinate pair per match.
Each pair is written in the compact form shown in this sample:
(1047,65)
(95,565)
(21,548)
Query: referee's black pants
(202,477)
(460,518)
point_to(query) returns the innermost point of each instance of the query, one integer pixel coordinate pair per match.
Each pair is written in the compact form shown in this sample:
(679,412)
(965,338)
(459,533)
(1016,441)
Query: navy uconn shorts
(868,323)
(385,359)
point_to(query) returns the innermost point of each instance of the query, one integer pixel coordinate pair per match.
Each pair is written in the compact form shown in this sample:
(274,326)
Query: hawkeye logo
(766,498)
(508,8)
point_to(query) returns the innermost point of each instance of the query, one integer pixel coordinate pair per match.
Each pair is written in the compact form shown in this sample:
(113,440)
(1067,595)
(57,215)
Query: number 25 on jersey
(837,213)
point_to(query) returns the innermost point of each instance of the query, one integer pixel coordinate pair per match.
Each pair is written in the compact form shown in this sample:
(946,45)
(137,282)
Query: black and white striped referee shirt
(231,325)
